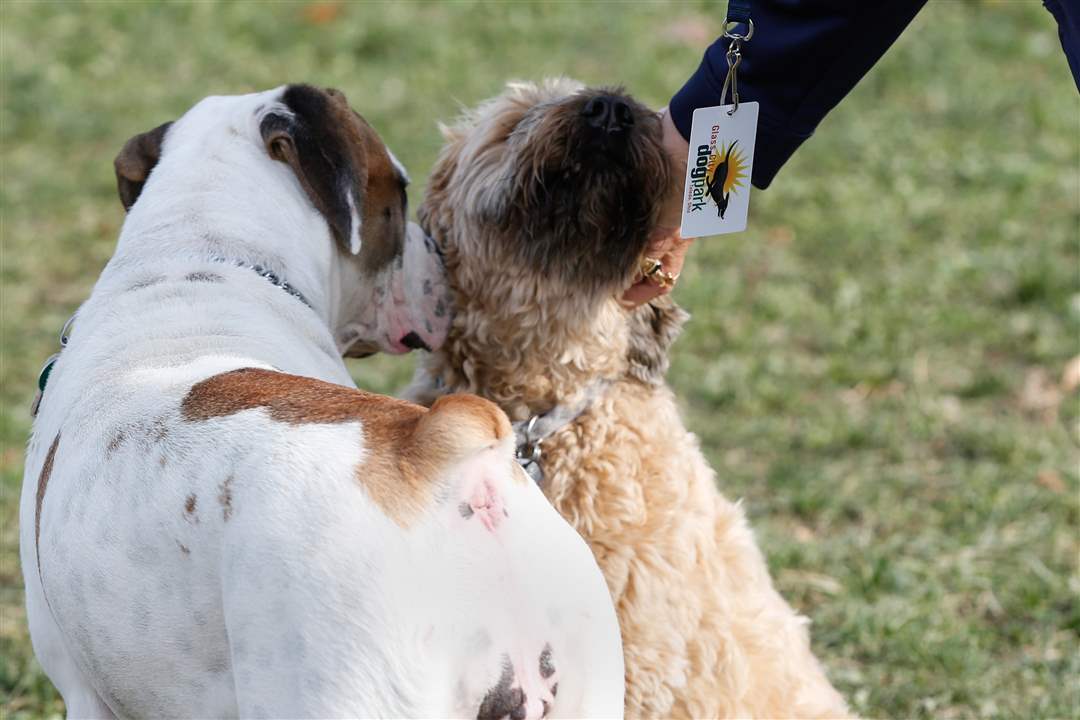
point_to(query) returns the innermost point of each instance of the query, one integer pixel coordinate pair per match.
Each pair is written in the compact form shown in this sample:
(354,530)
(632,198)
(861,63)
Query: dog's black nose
(414,342)
(607,113)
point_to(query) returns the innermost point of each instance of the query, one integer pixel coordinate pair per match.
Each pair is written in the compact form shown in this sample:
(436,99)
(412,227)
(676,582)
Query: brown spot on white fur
(159,430)
(225,498)
(408,445)
(189,508)
(115,443)
(43,483)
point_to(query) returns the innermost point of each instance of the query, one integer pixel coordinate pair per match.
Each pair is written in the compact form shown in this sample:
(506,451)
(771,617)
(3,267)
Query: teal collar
(46,369)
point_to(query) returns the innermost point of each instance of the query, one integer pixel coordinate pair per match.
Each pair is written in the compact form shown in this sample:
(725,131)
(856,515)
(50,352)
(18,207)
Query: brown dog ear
(653,328)
(136,159)
(313,139)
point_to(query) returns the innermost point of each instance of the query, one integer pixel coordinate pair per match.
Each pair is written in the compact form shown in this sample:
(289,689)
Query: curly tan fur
(705,632)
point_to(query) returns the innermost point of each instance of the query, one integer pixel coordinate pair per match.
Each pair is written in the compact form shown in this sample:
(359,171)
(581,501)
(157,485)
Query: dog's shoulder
(407,448)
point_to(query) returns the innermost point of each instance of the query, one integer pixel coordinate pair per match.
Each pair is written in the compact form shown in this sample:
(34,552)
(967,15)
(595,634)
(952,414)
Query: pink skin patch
(486,503)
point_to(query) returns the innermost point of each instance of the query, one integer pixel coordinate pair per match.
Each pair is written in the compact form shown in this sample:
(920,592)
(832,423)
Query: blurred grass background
(880,367)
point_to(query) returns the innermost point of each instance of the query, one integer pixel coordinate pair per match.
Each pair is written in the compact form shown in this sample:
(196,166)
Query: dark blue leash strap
(738,11)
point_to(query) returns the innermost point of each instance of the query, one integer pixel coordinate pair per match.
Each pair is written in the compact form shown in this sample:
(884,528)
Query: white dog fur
(203,541)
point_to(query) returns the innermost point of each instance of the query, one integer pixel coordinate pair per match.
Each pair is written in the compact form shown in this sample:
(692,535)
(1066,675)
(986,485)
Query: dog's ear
(136,159)
(318,141)
(492,203)
(493,189)
(653,328)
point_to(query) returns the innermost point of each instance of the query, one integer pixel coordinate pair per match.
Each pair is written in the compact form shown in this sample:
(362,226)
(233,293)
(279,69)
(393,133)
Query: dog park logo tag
(717,192)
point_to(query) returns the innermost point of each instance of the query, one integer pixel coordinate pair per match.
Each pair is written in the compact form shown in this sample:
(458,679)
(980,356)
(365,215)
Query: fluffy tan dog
(542,200)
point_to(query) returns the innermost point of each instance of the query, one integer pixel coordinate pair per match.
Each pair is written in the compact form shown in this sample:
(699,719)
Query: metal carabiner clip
(734,59)
(736,36)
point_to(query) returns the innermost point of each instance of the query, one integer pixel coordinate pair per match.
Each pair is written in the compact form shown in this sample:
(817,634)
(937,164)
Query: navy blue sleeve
(1067,14)
(804,57)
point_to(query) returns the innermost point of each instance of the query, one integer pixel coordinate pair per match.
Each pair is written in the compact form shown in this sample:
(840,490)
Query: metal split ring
(531,451)
(737,36)
(65,332)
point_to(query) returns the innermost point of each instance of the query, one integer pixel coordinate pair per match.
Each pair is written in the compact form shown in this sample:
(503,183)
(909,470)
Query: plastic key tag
(718,170)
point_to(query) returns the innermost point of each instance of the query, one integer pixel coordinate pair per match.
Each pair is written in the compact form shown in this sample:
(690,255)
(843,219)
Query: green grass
(875,366)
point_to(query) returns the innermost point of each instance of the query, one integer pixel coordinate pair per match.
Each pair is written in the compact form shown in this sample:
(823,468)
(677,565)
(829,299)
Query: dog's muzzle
(420,316)
(608,115)
(410,303)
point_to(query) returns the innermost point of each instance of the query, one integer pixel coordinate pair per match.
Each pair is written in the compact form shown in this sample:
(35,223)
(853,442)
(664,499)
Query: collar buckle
(530,434)
(530,449)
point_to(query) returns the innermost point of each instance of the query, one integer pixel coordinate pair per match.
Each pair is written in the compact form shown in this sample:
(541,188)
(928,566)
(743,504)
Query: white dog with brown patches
(215,523)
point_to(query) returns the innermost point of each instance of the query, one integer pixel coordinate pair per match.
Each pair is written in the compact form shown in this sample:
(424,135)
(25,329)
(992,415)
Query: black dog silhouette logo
(725,174)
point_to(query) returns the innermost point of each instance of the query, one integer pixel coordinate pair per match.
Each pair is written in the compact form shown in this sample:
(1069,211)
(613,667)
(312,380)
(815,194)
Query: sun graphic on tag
(725,174)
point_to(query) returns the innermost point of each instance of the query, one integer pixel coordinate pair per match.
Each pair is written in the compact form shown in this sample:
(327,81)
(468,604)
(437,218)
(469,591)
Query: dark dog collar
(269,275)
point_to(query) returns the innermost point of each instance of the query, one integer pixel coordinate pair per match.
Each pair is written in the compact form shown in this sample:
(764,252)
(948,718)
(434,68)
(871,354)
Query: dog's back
(208,530)
(275,544)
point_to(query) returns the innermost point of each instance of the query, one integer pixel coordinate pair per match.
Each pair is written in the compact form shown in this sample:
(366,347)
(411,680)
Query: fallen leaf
(321,13)
(781,235)
(1051,480)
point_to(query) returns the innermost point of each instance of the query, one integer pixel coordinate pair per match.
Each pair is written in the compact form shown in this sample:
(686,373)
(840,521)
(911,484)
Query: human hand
(670,250)
(665,244)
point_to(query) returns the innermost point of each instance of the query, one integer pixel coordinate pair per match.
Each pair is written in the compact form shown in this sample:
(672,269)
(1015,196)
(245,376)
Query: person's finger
(671,260)
(642,292)
(665,244)
(671,251)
